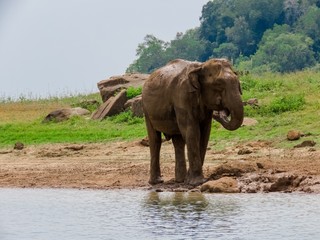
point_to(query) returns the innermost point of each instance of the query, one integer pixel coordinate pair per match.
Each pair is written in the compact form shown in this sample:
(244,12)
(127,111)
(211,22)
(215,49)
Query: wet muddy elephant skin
(180,100)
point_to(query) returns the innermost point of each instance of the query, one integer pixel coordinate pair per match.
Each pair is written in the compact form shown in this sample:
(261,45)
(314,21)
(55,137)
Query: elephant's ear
(193,78)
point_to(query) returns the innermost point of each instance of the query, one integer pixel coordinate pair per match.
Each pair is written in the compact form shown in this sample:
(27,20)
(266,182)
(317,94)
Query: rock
(222,185)
(75,147)
(293,135)
(113,106)
(18,146)
(249,122)
(244,151)
(307,143)
(64,114)
(253,102)
(225,170)
(6,152)
(283,183)
(259,165)
(145,142)
(109,87)
(135,104)
(107,93)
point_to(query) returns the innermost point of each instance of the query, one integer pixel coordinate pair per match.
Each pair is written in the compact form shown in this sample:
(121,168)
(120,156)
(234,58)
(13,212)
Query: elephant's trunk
(232,118)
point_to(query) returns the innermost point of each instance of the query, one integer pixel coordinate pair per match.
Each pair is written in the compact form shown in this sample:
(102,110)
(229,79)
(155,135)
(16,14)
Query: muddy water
(45,214)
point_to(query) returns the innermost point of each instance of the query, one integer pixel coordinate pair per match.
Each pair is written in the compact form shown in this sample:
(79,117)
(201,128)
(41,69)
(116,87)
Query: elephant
(180,100)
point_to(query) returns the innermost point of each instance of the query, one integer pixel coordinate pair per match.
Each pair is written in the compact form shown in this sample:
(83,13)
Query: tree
(239,22)
(241,36)
(226,50)
(309,24)
(187,46)
(151,55)
(260,15)
(284,53)
(215,18)
(292,11)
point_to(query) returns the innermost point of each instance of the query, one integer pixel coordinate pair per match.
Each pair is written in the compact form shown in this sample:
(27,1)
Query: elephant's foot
(180,179)
(154,181)
(195,181)
(180,176)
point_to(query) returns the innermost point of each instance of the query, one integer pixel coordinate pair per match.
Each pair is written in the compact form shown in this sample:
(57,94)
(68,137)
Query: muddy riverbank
(250,167)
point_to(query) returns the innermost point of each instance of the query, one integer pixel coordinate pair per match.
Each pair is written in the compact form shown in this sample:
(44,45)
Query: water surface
(50,214)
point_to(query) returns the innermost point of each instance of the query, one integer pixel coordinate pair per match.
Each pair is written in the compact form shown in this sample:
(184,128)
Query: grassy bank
(286,102)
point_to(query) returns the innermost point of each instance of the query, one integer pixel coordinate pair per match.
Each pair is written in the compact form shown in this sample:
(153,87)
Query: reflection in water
(50,214)
(189,213)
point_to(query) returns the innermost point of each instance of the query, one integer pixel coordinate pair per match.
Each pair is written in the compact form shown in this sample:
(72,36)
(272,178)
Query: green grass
(287,101)
(75,130)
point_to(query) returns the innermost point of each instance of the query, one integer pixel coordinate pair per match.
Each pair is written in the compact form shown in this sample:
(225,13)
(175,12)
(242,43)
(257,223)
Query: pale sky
(61,47)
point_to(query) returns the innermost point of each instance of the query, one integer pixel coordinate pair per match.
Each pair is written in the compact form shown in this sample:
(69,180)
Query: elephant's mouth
(222,116)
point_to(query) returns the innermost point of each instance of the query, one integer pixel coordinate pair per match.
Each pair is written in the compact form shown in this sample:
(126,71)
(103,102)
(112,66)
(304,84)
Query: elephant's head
(219,90)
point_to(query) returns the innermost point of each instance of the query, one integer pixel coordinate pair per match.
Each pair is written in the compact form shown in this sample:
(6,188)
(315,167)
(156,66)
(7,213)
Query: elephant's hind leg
(154,145)
(181,167)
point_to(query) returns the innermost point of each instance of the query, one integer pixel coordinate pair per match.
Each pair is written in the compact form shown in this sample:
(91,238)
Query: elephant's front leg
(181,167)
(195,174)
(205,129)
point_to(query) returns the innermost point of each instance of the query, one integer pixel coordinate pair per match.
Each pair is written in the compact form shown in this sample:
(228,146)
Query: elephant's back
(168,74)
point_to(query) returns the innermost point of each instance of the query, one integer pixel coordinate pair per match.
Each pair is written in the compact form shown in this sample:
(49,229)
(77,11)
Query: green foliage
(154,53)
(89,105)
(126,117)
(285,52)
(239,22)
(287,103)
(187,46)
(133,92)
(150,55)
(283,104)
(258,86)
(278,35)
(226,50)
(241,36)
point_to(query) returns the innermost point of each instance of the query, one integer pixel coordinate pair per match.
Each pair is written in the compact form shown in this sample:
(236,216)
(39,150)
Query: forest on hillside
(265,35)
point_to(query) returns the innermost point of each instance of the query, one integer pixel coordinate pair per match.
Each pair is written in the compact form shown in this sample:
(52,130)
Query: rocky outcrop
(113,94)
(114,105)
(64,114)
(111,86)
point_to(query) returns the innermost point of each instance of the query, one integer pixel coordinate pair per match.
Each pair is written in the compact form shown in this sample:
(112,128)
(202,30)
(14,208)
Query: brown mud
(251,167)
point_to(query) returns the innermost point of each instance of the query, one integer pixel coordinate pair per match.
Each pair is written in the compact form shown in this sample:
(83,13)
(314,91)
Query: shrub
(133,92)
(284,104)
(126,117)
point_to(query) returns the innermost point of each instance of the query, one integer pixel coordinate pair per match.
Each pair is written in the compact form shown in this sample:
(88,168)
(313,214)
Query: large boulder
(222,185)
(114,105)
(64,114)
(111,86)
(135,105)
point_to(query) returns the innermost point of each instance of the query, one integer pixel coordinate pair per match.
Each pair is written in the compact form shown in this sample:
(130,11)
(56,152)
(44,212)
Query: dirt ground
(254,167)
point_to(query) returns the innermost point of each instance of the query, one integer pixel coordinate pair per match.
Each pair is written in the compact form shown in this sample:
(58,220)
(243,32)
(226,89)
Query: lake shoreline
(250,167)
